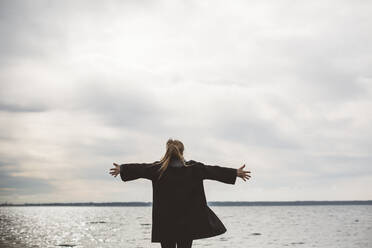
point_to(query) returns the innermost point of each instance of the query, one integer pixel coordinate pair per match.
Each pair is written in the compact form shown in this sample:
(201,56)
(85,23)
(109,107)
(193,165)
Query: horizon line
(211,203)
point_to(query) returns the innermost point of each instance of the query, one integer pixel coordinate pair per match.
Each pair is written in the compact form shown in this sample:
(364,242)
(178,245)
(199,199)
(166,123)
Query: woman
(180,212)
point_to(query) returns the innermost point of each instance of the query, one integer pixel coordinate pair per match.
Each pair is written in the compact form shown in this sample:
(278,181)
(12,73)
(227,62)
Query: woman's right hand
(115,171)
(245,175)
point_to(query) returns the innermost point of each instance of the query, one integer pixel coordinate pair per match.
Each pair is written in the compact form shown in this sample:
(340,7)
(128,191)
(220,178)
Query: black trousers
(180,244)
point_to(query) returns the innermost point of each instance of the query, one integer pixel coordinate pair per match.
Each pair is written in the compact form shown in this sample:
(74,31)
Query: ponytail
(174,150)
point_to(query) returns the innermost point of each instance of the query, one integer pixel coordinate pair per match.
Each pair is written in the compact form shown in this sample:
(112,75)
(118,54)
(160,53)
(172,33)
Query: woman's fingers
(247,173)
(244,175)
(115,171)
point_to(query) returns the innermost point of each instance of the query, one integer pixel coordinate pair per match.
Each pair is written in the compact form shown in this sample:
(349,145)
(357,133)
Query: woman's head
(177,144)
(174,150)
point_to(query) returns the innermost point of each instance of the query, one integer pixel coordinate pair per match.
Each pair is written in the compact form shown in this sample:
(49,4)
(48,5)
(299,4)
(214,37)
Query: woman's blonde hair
(175,149)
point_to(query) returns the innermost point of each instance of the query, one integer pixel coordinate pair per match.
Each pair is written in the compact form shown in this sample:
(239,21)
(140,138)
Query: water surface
(247,226)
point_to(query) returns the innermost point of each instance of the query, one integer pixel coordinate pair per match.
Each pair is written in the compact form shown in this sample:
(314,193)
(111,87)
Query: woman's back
(174,202)
(180,209)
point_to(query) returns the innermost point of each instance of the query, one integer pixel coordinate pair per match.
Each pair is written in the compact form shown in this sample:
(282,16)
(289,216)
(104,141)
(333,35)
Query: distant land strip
(211,203)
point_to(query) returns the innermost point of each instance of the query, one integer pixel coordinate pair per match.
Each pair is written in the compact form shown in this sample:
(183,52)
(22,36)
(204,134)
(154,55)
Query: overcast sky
(282,86)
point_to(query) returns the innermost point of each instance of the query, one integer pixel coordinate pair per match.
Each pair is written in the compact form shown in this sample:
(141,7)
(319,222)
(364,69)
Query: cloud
(13,185)
(19,108)
(127,107)
(254,132)
(18,185)
(284,87)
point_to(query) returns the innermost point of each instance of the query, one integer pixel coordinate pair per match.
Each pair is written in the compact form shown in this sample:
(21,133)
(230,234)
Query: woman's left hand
(115,171)
(245,175)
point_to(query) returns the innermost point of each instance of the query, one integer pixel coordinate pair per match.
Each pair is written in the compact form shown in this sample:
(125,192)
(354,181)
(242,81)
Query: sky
(284,87)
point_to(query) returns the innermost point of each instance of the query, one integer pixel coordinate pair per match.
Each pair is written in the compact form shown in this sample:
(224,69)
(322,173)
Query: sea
(348,226)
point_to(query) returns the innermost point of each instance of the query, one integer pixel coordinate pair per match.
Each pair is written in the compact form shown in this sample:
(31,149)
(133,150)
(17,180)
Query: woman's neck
(176,162)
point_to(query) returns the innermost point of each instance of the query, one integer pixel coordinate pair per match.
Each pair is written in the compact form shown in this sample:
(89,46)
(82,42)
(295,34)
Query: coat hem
(205,236)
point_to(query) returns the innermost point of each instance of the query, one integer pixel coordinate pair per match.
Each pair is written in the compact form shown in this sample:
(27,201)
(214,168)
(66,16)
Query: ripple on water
(224,239)
(97,222)
(66,245)
(297,243)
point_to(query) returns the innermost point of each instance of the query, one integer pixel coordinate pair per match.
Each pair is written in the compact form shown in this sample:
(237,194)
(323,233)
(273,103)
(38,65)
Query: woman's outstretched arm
(132,171)
(223,174)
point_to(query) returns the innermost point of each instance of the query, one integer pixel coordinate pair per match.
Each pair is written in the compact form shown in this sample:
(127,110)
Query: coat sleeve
(218,173)
(132,171)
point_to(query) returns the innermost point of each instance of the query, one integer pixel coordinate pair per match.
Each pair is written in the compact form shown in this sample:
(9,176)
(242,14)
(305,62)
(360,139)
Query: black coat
(179,208)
